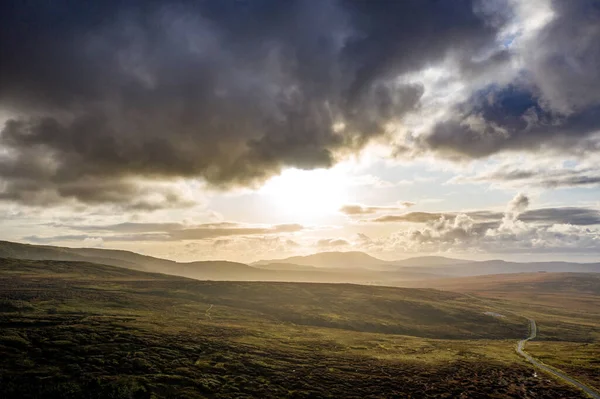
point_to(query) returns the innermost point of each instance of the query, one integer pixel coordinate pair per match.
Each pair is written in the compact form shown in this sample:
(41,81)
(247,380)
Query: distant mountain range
(353,267)
(503,267)
(330,260)
(359,260)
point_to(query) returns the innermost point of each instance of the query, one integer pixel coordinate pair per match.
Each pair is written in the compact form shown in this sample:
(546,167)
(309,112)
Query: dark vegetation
(75,330)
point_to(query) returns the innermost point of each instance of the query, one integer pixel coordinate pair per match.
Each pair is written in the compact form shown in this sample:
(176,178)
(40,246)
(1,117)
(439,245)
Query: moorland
(75,329)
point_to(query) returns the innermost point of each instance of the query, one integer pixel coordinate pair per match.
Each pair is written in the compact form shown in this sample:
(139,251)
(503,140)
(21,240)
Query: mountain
(205,270)
(126,259)
(129,260)
(221,270)
(347,260)
(357,260)
(430,261)
(348,267)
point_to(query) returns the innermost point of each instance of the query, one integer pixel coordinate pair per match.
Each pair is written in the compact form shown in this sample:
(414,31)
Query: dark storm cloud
(553,105)
(127,195)
(511,119)
(229,92)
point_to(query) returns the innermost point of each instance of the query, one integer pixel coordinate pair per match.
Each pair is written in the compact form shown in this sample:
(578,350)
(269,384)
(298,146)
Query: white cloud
(462,233)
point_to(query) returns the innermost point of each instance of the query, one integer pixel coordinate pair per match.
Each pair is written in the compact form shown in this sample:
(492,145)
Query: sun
(307,195)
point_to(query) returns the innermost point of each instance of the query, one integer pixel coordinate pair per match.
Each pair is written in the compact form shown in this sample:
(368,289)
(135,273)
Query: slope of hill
(539,283)
(565,306)
(130,260)
(408,311)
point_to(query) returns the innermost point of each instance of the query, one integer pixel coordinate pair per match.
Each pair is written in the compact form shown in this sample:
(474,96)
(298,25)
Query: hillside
(75,329)
(540,283)
(364,308)
(566,307)
(130,260)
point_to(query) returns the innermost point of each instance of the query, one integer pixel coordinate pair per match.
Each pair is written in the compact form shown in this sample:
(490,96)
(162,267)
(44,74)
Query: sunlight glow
(308,195)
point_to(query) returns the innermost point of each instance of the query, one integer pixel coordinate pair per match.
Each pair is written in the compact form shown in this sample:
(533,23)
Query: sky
(249,130)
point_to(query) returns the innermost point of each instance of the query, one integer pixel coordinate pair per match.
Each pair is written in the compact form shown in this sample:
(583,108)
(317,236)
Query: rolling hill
(85,330)
(538,283)
(345,267)
(407,311)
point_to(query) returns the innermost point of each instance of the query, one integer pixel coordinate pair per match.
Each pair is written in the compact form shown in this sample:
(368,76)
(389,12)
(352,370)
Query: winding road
(520,350)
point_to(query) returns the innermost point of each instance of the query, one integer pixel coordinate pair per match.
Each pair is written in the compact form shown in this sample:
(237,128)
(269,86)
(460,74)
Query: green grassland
(74,330)
(566,307)
(579,359)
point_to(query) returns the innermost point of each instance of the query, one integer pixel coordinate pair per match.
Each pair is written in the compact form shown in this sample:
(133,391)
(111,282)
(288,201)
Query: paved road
(532,334)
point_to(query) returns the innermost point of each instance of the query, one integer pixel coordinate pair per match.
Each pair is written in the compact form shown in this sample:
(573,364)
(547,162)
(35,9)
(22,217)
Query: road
(520,350)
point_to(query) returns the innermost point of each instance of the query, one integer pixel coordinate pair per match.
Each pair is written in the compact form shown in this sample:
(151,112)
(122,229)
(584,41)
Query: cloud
(413,217)
(226,92)
(424,217)
(568,215)
(552,103)
(518,205)
(516,210)
(537,177)
(168,231)
(356,209)
(550,230)
(332,242)
(126,194)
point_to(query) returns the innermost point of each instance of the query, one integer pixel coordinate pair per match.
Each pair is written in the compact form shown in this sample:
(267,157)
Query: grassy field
(74,330)
(578,359)
(566,307)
